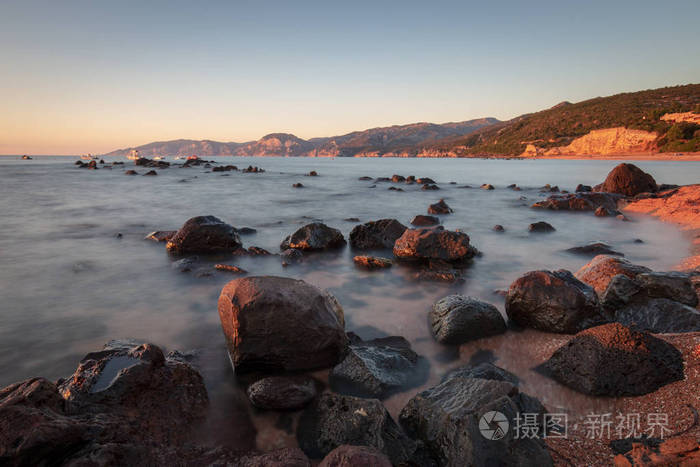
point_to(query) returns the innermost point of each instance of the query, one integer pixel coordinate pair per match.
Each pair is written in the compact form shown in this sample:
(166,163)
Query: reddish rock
(433,244)
(440,207)
(204,234)
(580,202)
(627,180)
(600,270)
(681,451)
(372,262)
(424,221)
(230,268)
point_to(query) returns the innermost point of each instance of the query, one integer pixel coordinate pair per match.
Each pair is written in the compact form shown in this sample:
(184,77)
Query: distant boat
(133,155)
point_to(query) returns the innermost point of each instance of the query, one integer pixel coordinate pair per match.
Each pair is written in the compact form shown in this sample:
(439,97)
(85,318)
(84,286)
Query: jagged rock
(541,227)
(379,234)
(553,302)
(601,269)
(423,221)
(457,319)
(355,456)
(282,392)
(487,186)
(440,207)
(627,180)
(372,262)
(583,188)
(498,228)
(377,368)
(277,323)
(658,315)
(672,285)
(204,234)
(313,237)
(433,244)
(613,360)
(594,249)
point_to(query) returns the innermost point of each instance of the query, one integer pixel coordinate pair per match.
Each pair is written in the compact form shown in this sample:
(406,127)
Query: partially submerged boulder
(580,201)
(553,301)
(440,207)
(594,249)
(282,392)
(372,262)
(628,180)
(541,227)
(457,319)
(433,244)
(602,268)
(314,237)
(278,323)
(613,360)
(424,221)
(381,234)
(204,234)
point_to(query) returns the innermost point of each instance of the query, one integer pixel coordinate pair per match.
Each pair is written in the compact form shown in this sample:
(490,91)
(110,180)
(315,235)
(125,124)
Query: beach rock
(144,162)
(601,269)
(398,178)
(411,179)
(355,456)
(457,319)
(498,228)
(230,268)
(541,227)
(583,188)
(314,237)
(594,249)
(672,285)
(425,181)
(151,173)
(204,234)
(429,187)
(257,251)
(377,368)
(131,172)
(433,244)
(423,221)
(440,207)
(487,186)
(648,452)
(393,188)
(658,315)
(613,360)
(313,173)
(580,201)
(333,420)
(291,256)
(297,185)
(454,418)
(627,180)
(372,262)
(282,392)
(553,302)
(278,323)
(161,235)
(602,212)
(381,234)
(251,169)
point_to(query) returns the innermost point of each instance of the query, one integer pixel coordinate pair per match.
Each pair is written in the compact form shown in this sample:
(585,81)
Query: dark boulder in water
(580,201)
(423,221)
(440,207)
(553,301)
(297,185)
(627,180)
(434,244)
(291,256)
(457,319)
(498,228)
(430,187)
(282,392)
(487,186)
(398,178)
(151,173)
(277,323)
(379,234)
(131,172)
(541,227)
(425,181)
(313,237)
(594,249)
(613,360)
(204,234)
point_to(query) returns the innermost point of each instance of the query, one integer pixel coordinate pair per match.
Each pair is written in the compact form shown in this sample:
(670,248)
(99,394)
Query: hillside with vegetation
(560,125)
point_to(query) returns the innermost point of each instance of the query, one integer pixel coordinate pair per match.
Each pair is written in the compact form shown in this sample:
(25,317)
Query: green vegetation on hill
(559,125)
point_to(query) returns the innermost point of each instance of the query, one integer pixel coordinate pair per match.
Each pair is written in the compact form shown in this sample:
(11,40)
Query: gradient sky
(93,76)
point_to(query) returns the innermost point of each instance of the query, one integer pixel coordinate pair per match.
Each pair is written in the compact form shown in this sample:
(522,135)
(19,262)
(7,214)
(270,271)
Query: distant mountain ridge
(405,139)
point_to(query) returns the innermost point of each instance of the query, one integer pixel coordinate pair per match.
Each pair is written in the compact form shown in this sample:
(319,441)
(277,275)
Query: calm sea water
(68,283)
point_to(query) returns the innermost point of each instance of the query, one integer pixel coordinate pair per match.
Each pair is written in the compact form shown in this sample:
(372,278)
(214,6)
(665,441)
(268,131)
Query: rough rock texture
(440,207)
(580,201)
(333,420)
(601,269)
(457,319)
(432,244)
(446,418)
(355,456)
(282,392)
(315,236)
(379,234)
(377,368)
(672,285)
(424,221)
(204,234)
(659,315)
(541,227)
(627,180)
(681,451)
(613,360)
(372,262)
(553,302)
(277,323)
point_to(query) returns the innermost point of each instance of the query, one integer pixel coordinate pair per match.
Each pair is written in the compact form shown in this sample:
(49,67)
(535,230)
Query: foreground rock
(433,244)
(333,420)
(601,269)
(314,237)
(204,234)
(277,323)
(381,234)
(613,360)
(355,456)
(553,302)
(541,227)
(377,368)
(457,319)
(372,262)
(627,180)
(282,392)
(447,418)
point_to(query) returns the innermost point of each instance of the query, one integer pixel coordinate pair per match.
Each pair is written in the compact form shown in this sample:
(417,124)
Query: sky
(94,76)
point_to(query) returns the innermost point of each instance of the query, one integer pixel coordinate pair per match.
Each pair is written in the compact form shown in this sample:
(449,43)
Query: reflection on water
(70,283)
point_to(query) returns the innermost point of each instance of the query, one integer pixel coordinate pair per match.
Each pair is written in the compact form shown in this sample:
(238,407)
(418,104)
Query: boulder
(282,392)
(377,368)
(204,234)
(457,319)
(278,323)
(424,221)
(429,187)
(601,269)
(131,172)
(355,456)
(627,180)
(433,244)
(455,421)
(487,186)
(440,207)
(333,420)
(425,181)
(372,262)
(580,201)
(583,188)
(541,227)
(658,315)
(553,302)
(297,185)
(613,360)
(314,237)
(150,173)
(398,178)
(291,256)
(594,249)
(672,285)
(381,234)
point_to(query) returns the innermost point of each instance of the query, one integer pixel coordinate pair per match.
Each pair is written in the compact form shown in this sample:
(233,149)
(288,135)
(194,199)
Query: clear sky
(93,76)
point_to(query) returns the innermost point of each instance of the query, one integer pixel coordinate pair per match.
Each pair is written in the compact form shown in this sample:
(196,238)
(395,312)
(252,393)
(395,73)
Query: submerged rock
(553,302)
(423,221)
(282,392)
(372,262)
(204,234)
(291,256)
(457,319)
(277,323)
(314,237)
(541,227)
(580,201)
(627,180)
(432,244)
(600,270)
(381,234)
(440,207)
(594,249)
(613,360)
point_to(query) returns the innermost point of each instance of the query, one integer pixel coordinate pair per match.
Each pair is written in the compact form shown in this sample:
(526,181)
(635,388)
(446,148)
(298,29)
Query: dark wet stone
(282,392)
(204,234)
(313,237)
(151,173)
(393,188)
(594,249)
(440,207)
(372,262)
(580,201)
(499,228)
(246,231)
(185,264)
(583,188)
(425,181)
(313,173)
(541,227)
(672,285)
(381,234)
(627,180)
(658,315)
(297,185)
(434,244)
(457,319)
(422,221)
(291,256)
(398,178)
(483,371)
